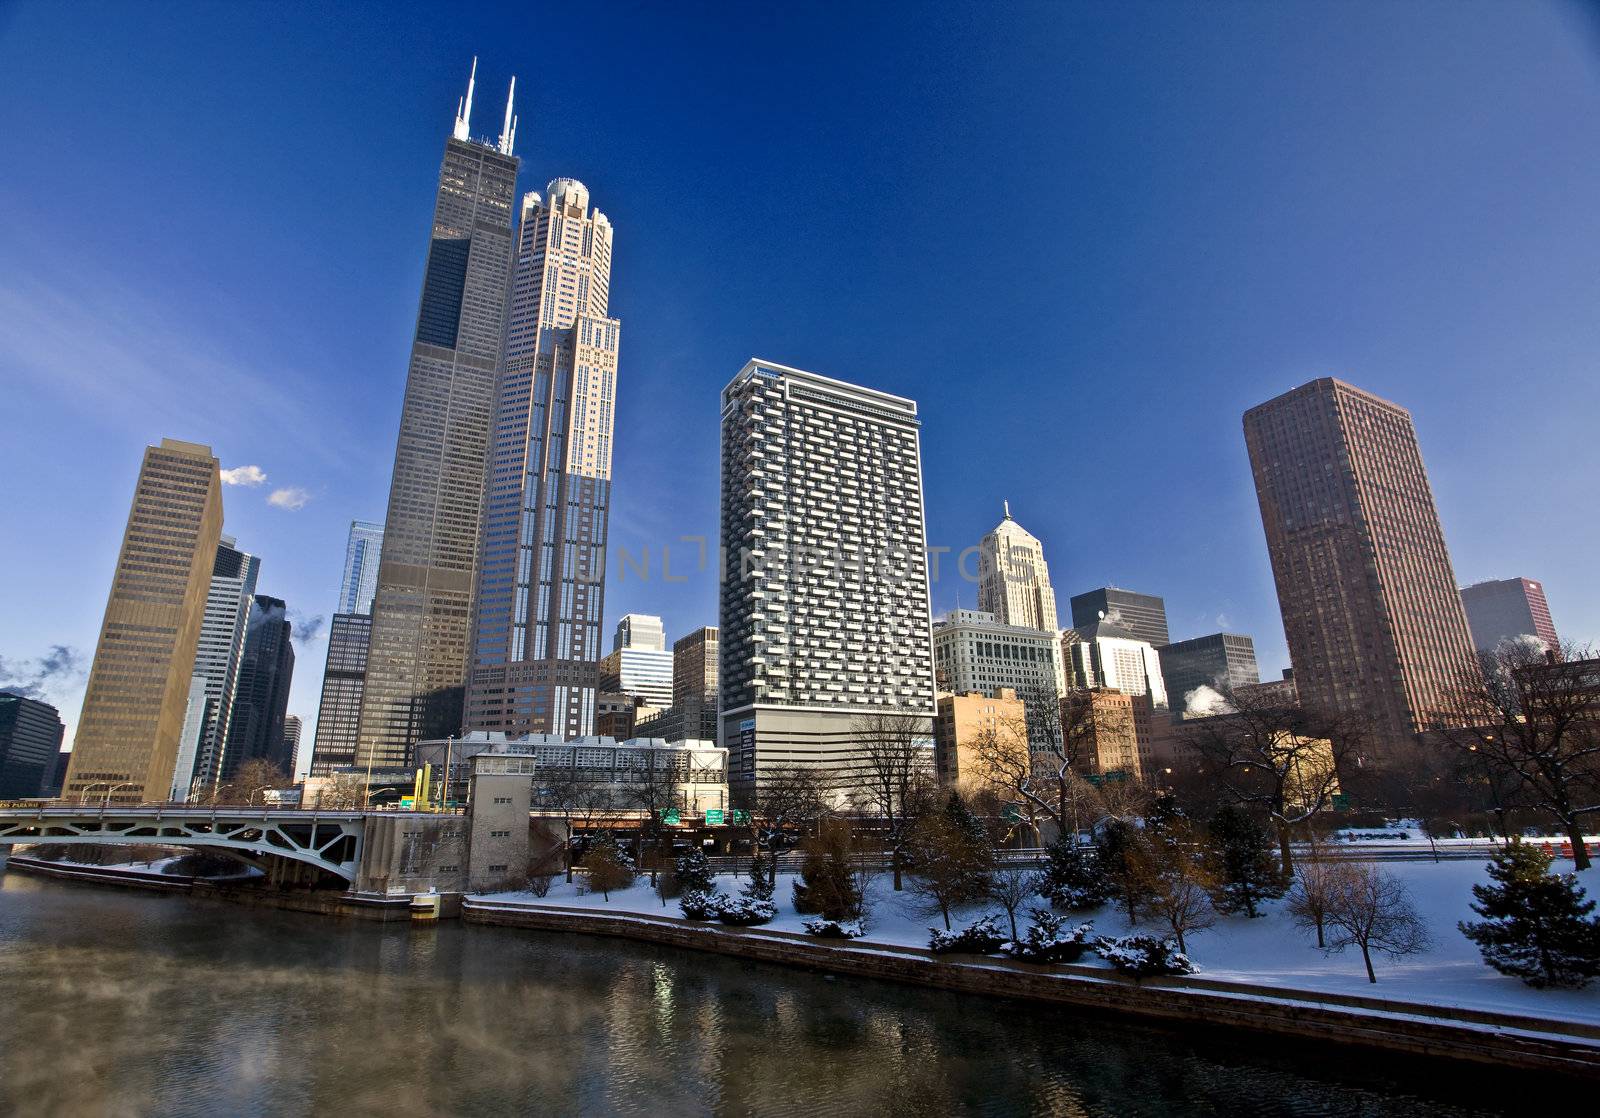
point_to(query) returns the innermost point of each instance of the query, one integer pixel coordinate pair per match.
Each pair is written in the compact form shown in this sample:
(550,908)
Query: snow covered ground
(1268,951)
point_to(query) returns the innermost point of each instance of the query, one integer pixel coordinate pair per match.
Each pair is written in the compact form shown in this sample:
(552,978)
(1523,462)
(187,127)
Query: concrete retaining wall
(1477,1036)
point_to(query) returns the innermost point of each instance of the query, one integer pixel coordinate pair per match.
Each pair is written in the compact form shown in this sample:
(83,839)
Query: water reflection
(130,1004)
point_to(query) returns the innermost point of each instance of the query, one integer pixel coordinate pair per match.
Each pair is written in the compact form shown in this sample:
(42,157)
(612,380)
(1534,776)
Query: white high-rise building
(825,618)
(541,582)
(361,555)
(1013,578)
(639,663)
(1014,584)
(1107,655)
(217,656)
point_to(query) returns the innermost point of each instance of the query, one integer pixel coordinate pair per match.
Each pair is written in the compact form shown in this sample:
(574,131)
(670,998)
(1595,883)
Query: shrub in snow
(763,878)
(1370,909)
(1046,942)
(608,866)
(981,937)
(697,904)
(744,912)
(693,872)
(834,929)
(1536,924)
(539,884)
(1144,956)
(1071,878)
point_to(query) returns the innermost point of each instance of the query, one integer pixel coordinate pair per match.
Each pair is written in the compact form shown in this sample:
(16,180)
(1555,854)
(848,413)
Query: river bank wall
(1476,1036)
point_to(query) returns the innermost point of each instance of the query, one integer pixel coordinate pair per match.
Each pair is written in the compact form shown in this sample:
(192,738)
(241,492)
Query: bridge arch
(330,841)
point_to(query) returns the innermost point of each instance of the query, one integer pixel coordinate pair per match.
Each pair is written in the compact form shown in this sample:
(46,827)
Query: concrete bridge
(331,841)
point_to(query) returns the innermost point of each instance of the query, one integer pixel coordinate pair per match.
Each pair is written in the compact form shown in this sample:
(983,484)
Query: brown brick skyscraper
(1369,600)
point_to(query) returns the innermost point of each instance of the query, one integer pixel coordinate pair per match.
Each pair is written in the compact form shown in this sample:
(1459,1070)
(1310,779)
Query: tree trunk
(1366,957)
(894,859)
(1580,853)
(1011,912)
(1320,942)
(1183,949)
(945,909)
(1285,853)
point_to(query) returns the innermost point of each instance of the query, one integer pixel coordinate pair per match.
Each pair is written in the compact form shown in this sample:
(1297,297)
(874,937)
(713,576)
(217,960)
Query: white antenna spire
(508,130)
(464,109)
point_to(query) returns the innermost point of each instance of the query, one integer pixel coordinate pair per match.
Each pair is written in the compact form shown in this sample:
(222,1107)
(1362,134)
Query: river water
(117,1002)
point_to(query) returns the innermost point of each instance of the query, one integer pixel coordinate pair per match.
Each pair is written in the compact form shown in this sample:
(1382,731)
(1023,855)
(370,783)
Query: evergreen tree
(1165,815)
(976,853)
(828,884)
(694,872)
(1072,878)
(1536,924)
(763,878)
(1241,862)
(1117,849)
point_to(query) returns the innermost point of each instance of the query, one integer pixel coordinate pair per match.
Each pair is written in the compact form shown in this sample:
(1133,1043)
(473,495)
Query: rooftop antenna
(508,130)
(464,107)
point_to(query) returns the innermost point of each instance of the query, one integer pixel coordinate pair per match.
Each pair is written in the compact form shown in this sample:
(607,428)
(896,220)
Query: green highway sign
(740,816)
(713,817)
(671,817)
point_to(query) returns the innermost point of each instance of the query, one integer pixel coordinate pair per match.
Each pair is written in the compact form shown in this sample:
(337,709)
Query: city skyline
(1225,574)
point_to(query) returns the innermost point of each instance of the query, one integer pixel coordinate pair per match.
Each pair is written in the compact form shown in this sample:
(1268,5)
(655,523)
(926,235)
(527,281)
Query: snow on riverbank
(1267,951)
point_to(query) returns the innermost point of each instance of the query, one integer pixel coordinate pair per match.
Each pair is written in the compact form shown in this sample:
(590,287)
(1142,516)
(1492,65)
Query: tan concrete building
(1109,738)
(1370,607)
(963,726)
(1014,579)
(128,735)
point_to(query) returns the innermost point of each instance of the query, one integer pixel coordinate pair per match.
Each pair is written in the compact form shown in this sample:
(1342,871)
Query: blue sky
(1084,237)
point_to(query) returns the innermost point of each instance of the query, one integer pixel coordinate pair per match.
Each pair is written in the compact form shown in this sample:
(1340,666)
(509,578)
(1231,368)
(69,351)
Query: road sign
(713,817)
(671,817)
(740,817)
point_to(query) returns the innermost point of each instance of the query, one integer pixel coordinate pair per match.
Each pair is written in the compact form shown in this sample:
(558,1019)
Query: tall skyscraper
(1013,578)
(542,588)
(291,742)
(30,739)
(343,679)
(361,558)
(265,673)
(1143,615)
(639,664)
(423,606)
(1369,600)
(1218,661)
(216,661)
(824,597)
(1507,609)
(126,746)
(694,683)
(643,631)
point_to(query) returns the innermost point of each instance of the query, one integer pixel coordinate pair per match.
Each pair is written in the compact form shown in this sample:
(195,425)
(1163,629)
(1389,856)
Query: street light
(105,803)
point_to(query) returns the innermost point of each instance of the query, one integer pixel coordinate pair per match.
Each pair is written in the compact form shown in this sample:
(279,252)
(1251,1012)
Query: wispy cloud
(244,475)
(305,628)
(291,498)
(132,360)
(57,670)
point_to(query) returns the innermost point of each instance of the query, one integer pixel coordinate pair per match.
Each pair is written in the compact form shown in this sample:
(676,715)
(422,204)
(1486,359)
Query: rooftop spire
(508,130)
(1007,506)
(464,107)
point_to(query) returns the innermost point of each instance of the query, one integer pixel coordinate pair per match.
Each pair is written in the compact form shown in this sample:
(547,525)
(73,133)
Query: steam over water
(124,1003)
